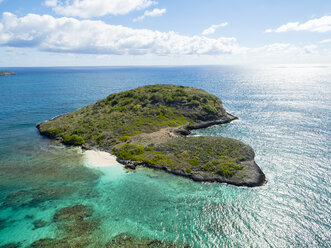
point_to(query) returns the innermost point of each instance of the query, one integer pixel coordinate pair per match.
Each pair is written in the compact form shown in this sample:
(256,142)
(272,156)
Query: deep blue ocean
(284,114)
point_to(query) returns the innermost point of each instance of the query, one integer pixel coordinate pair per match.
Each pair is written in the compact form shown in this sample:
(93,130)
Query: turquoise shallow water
(284,115)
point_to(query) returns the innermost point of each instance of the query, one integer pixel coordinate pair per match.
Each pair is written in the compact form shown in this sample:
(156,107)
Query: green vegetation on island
(221,156)
(143,110)
(148,126)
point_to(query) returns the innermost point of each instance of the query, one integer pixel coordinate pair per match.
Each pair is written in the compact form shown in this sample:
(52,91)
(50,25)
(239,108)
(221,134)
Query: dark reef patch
(11,245)
(34,197)
(39,224)
(75,227)
(128,241)
(2,223)
(54,164)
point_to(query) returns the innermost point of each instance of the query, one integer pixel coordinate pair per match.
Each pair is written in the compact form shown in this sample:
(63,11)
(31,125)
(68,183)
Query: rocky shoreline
(257,176)
(257,180)
(185,130)
(149,126)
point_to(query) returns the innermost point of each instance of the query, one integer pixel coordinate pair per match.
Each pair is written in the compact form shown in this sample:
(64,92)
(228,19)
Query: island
(6,73)
(149,126)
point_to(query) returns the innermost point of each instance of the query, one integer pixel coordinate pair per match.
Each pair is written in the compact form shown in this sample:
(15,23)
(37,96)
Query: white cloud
(154,13)
(16,51)
(94,8)
(285,49)
(51,3)
(1,1)
(213,28)
(325,41)
(320,25)
(69,35)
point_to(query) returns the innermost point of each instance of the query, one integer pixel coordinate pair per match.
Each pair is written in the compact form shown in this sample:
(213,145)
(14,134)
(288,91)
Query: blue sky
(164,32)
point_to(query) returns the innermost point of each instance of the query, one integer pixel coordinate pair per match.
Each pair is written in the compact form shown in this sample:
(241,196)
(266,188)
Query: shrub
(169,100)
(194,162)
(204,100)
(157,158)
(180,92)
(124,138)
(194,103)
(128,94)
(78,131)
(188,170)
(179,99)
(75,140)
(137,107)
(54,132)
(156,98)
(210,110)
(128,152)
(114,102)
(185,154)
(224,166)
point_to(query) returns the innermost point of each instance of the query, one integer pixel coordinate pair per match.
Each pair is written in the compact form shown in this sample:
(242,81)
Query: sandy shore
(99,158)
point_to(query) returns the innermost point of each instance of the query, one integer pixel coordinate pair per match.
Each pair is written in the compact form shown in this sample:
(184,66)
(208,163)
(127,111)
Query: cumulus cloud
(154,13)
(96,8)
(320,25)
(213,28)
(69,35)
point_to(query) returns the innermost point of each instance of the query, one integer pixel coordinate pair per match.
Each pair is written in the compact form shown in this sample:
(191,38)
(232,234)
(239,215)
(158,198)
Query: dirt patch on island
(156,138)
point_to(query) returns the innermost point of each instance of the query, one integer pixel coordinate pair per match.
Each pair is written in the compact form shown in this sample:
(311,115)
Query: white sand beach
(99,158)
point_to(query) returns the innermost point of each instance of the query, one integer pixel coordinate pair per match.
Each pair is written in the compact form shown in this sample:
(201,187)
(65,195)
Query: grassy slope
(221,156)
(110,123)
(141,110)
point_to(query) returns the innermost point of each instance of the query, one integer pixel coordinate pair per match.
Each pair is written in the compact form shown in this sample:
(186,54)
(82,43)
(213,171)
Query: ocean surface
(284,114)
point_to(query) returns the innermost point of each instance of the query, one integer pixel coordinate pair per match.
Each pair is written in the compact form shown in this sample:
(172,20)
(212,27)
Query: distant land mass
(6,73)
(148,126)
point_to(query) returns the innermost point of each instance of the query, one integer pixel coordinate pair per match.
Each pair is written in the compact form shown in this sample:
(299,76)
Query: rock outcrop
(6,73)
